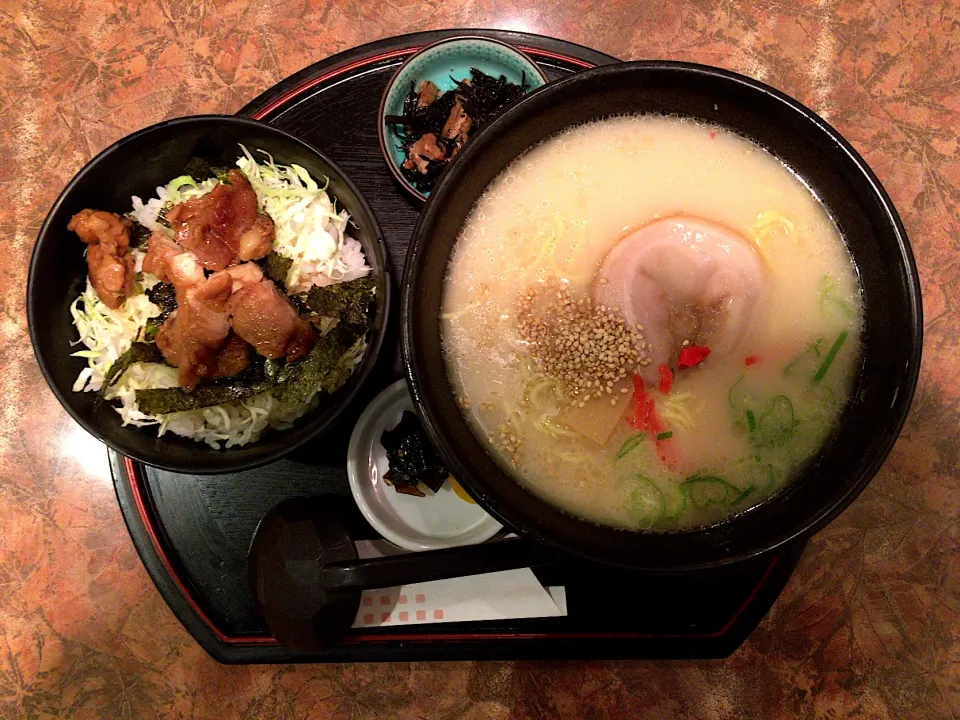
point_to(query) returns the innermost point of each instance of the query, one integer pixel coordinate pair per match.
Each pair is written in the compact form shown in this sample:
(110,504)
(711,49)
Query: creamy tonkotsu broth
(582,296)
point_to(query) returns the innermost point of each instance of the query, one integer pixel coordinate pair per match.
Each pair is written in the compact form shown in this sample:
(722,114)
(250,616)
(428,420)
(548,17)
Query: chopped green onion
(675,503)
(751,421)
(734,403)
(179,182)
(742,396)
(829,289)
(744,495)
(646,502)
(761,475)
(150,330)
(707,490)
(665,435)
(831,356)
(776,425)
(629,445)
(806,361)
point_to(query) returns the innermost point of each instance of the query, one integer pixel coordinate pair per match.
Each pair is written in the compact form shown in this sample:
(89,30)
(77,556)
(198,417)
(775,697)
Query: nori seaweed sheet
(292,382)
(162,215)
(276,267)
(350,302)
(200,170)
(170,400)
(412,458)
(322,367)
(138,352)
(139,234)
(252,381)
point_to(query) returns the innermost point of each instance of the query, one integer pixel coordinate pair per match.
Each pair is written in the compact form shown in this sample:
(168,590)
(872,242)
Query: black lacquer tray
(193,532)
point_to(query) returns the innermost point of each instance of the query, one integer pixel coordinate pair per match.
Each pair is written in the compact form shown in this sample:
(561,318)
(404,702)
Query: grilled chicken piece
(172,264)
(233,358)
(213,225)
(257,242)
(184,272)
(111,275)
(244,274)
(192,337)
(160,250)
(266,319)
(109,263)
(99,227)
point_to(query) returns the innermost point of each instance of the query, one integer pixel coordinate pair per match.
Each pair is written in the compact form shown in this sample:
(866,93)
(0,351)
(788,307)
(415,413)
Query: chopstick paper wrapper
(491,596)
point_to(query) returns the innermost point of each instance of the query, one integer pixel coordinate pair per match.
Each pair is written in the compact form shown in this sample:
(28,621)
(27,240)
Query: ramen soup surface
(653,322)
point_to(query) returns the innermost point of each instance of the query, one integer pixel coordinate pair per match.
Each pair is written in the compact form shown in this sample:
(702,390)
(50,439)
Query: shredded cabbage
(106,333)
(310,230)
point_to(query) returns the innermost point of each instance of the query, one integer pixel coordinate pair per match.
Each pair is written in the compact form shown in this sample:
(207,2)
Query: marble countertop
(869,626)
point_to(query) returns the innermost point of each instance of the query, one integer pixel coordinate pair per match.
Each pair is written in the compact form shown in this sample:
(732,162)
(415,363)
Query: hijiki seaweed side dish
(225,305)
(434,126)
(412,459)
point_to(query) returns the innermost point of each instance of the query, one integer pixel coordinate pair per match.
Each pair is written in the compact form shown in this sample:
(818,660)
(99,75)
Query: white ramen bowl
(438,520)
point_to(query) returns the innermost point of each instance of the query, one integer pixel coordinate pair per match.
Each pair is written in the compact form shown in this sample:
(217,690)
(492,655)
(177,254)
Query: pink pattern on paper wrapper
(368,619)
(438,614)
(384,617)
(367,601)
(421,598)
(404,616)
(384,600)
(421,614)
(402,600)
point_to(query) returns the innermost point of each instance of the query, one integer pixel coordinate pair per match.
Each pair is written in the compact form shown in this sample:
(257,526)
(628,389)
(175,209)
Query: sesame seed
(583,345)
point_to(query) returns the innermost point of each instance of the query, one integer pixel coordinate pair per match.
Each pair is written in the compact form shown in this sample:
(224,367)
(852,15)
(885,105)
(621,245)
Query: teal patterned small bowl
(439,62)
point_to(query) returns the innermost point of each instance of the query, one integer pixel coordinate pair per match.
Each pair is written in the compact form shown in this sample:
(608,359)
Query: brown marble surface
(868,627)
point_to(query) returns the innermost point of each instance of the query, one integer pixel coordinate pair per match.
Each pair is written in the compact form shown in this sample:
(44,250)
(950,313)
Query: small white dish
(438,520)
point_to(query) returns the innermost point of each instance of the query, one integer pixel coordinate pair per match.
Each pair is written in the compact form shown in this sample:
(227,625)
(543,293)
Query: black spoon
(306,577)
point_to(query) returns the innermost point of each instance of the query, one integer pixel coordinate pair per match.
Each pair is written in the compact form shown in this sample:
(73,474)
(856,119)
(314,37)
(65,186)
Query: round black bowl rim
(446,185)
(381,110)
(363,370)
